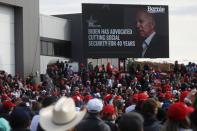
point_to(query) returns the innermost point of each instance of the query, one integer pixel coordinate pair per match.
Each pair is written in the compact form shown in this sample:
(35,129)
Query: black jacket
(152,124)
(112,126)
(92,123)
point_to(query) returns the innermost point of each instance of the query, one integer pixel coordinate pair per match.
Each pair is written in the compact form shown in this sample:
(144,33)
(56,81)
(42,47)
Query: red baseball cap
(168,95)
(5,97)
(135,97)
(143,96)
(161,95)
(108,109)
(108,97)
(183,95)
(76,98)
(118,97)
(87,98)
(179,111)
(8,104)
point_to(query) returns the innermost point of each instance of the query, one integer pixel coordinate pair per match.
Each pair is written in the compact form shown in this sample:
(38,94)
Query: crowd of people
(100,99)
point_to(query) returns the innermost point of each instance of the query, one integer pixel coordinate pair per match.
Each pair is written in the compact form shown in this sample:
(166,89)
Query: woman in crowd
(178,118)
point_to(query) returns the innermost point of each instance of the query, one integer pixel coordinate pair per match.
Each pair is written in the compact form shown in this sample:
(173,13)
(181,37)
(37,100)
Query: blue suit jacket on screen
(158,48)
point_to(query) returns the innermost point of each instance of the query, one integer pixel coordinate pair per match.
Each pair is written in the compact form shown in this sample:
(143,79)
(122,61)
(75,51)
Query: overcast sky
(182,20)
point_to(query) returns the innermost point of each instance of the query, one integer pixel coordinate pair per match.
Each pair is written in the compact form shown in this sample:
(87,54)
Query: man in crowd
(93,122)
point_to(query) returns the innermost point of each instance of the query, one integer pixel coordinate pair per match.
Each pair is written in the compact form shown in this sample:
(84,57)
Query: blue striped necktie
(144,47)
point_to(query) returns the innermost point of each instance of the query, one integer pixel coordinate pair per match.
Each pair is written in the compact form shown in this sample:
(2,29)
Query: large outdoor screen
(125,31)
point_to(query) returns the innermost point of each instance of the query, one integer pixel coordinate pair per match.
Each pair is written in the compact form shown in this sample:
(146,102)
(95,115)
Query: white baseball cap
(94,105)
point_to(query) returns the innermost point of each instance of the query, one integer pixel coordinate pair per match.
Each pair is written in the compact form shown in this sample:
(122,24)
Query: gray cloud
(188,10)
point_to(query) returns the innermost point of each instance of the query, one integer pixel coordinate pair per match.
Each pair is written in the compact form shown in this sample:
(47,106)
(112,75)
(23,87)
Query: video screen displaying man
(127,31)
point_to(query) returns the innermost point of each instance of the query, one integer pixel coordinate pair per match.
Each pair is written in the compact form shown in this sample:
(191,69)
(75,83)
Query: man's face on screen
(145,24)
